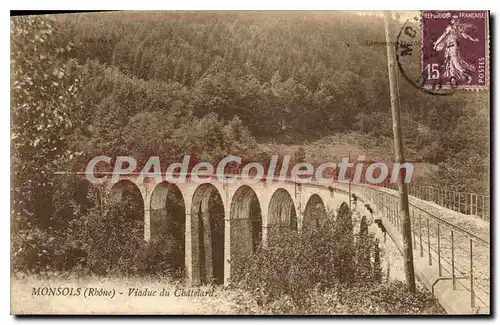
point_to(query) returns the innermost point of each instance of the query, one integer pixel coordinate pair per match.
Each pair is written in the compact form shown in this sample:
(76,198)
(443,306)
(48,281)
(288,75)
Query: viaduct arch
(217,222)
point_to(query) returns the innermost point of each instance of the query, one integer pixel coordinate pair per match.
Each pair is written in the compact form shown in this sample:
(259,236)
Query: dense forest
(217,83)
(286,77)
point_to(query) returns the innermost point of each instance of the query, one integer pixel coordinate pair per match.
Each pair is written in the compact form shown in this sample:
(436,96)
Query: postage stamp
(454,49)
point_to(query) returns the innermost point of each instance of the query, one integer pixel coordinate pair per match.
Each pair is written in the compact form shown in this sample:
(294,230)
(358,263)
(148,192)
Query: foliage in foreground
(372,298)
(325,269)
(320,257)
(105,239)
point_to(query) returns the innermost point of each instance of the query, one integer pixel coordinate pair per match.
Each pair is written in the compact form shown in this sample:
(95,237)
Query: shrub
(164,253)
(296,266)
(112,233)
(291,266)
(36,250)
(102,237)
(376,298)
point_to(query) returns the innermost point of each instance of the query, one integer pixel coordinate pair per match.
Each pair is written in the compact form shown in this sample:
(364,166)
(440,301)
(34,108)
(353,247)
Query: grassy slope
(333,148)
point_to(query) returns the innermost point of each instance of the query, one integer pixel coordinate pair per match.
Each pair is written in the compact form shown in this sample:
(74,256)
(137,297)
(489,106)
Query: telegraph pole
(404,212)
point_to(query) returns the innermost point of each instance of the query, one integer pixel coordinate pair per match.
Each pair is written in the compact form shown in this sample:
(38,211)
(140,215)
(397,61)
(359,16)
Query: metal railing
(455,251)
(463,202)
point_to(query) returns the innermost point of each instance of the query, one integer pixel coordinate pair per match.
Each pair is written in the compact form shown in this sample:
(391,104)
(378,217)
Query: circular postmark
(409,61)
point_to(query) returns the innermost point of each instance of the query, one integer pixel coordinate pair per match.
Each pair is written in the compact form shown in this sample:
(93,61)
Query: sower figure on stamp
(455,68)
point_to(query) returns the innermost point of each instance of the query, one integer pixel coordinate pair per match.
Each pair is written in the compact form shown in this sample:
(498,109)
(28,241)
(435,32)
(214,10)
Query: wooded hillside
(212,83)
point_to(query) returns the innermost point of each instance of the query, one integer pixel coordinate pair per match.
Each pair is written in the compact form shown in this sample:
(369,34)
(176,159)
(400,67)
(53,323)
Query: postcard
(250,163)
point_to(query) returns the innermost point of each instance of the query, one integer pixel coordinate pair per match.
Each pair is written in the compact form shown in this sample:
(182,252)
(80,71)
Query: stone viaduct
(208,252)
(281,204)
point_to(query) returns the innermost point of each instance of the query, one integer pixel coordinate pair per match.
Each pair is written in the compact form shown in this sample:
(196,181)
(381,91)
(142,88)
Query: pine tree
(345,266)
(377,267)
(364,247)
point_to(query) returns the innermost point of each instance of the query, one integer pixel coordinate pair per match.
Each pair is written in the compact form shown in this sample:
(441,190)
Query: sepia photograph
(250,163)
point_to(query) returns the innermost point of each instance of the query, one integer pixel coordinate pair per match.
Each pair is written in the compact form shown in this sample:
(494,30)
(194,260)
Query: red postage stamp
(455,51)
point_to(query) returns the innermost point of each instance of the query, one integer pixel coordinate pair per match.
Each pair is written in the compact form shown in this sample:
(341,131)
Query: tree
(363,254)
(45,110)
(345,264)
(377,267)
